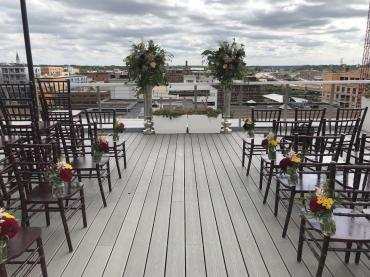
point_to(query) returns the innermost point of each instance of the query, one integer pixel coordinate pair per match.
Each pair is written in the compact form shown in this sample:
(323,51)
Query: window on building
(354,90)
(343,89)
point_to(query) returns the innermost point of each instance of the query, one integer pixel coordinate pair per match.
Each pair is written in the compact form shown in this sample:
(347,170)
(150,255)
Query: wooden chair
(79,154)
(285,131)
(55,99)
(315,115)
(106,119)
(352,223)
(263,119)
(18,94)
(27,244)
(311,173)
(29,162)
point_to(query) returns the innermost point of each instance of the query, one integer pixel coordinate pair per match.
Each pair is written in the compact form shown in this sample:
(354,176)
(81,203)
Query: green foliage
(206,111)
(170,113)
(226,63)
(146,65)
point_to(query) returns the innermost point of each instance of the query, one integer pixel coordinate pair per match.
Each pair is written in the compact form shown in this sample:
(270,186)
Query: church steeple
(17,60)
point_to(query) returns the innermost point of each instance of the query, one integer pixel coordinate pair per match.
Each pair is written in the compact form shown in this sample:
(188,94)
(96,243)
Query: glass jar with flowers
(249,126)
(100,147)
(9,227)
(118,128)
(290,166)
(270,143)
(57,175)
(320,206)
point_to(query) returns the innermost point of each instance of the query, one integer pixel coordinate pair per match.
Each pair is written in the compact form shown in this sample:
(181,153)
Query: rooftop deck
(184,207)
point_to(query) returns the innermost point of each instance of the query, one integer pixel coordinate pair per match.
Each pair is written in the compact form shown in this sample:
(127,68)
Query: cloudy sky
(275,32)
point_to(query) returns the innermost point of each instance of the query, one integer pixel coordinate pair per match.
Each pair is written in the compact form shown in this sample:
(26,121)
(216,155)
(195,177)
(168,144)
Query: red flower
(314,206)
(103,146)
(8,228)
(284,163)
(66,175)
(121,125)
(264,143)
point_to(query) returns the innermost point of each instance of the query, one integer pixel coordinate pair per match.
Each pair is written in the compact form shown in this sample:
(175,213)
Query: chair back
(105,118)
(18,93)
(316,115)
(55,99)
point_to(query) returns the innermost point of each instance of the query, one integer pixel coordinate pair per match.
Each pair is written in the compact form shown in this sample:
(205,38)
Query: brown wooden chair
(263,119)
(29,162)
(25,250)
(79,154)
(55,99)
(352,223)
(105,119)
(315,115)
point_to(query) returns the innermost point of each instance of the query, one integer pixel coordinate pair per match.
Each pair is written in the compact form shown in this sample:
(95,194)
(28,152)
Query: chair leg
(269,179)
(243,154)
(301,240)
(324,252)
(289,212)
(100,185)
(3,272)
(348,254)
(250,157)
(358,254)
(124,155)
(277,198)
(65,225)
(83,207)
(108,177)
(117,161)
(261,174)
(42,257)
(47,215)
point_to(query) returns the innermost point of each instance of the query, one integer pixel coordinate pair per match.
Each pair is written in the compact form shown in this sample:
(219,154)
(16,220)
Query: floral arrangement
(170,113)
(270,141)
(57,175)
(320,206)
(146,65)
(9,227)
(248,124)
(118,126)
(291,162)
(101,146)
(226,63)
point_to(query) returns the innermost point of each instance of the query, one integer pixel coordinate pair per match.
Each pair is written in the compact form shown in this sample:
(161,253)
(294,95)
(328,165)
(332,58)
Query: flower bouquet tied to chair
(248,126)
(270,142)
(290,166)
(57,175)
(9,227)
(320,206)
(146,65)
(226,64)
(100,147)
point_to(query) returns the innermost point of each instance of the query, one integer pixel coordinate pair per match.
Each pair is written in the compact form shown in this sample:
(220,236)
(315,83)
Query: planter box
(165,125)
(199,123)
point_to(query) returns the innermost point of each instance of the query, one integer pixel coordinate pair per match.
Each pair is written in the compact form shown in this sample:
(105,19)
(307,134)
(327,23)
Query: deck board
(184,207)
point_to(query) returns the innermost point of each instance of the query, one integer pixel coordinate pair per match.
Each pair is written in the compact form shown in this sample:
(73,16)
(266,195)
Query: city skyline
(93,32)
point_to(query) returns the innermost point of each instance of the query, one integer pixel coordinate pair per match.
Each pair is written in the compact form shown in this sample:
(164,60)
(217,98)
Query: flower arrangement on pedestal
(146,66)
(100,147)
(57,175)
(249,126)
(226,64)
(320,206)
(290,166)
(9,227)
(270,143)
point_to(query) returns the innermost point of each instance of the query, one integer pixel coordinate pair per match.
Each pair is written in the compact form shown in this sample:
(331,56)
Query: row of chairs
(340,159)
(32,140)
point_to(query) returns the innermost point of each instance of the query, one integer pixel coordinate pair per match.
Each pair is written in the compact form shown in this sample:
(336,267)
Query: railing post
(332,91)
(286,101)
(99,97)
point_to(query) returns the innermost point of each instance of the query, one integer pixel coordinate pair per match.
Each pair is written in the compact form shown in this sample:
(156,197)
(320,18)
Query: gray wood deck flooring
(184,207)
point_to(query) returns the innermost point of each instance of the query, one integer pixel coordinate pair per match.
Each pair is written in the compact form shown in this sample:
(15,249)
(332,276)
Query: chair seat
(347,228)
(87,162)
(339,179)
(306,182)
(45,195)
(257,140)
(279,157)
(21,242)
(326,159)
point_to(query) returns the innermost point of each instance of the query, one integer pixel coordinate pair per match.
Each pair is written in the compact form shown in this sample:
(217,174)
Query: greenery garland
(226,63)
(146,65)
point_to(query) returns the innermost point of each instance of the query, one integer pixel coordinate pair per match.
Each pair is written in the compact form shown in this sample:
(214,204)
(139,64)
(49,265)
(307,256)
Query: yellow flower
(274,142)
(68,166)
(296,159)
(8,216)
